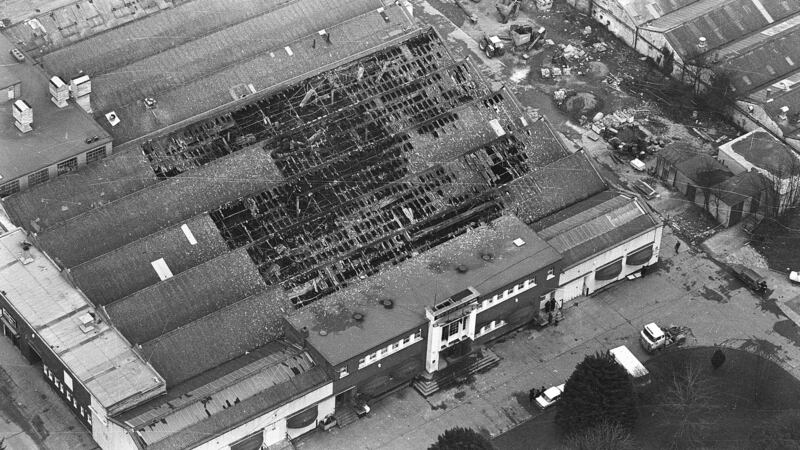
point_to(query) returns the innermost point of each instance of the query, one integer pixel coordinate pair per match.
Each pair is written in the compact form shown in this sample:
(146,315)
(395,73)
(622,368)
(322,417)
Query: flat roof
(219,391)
(265,71)
(597,224)
(762,150)
(419,282)
(101,359)
(58,133)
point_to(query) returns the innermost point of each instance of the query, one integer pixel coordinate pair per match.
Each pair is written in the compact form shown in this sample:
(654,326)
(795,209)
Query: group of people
(533,393)
(550,308)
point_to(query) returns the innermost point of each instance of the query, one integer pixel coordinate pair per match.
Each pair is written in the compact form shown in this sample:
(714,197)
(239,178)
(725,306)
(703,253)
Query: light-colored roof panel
(100,358)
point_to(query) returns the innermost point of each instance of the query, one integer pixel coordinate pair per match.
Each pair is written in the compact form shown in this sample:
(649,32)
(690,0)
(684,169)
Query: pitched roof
(58,133)
(435,278)
(719,22)
(163,204)
(128,269)
(642,11)
(596,225)
(99,358)
(223,392)
(704,170)
(69,195)
(189,97)
(201,290)
(553,187)
(741,187)
(217,337)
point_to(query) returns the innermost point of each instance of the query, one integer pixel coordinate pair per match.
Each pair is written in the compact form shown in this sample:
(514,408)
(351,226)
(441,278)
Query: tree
(603,436)
(599,390)
(717,359)
(460,438)
(687,402)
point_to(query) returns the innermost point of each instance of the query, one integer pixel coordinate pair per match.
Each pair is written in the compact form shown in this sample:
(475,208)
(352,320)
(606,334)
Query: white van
(638,372)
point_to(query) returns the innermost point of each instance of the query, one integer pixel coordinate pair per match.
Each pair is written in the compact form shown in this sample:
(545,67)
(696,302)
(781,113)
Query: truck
(654,337)
(636,370)
(750,278)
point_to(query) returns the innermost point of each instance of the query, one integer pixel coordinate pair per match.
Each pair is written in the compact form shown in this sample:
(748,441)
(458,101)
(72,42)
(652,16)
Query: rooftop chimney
(701,42)
(23,115)
(81,87)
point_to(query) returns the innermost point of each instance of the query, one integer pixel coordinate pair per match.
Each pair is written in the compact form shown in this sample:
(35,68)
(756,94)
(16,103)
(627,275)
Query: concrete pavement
(687,289)
(31,414)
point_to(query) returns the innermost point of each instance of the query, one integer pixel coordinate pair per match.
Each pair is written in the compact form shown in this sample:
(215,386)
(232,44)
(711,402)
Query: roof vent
(519,242)
(701,42)
(784,113)
(150,102)
(387,303)
(23,115)
(323,333)
(304,332)
(358,317)
(461,268)
(59,92)
(112,118)
(487,256)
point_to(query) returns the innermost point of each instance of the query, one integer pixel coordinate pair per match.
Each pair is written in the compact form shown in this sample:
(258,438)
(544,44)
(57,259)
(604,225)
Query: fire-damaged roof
(595,225)
(302,191)
(95,353)
(642,11)
(199,408)
(486,258)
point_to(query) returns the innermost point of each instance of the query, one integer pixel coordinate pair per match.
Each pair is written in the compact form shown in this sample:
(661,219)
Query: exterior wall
(111,435)
(583,6)
(53,370)
(11,93)
(385,373)
(611,15)
(273,423)
(579,279)
(52,170)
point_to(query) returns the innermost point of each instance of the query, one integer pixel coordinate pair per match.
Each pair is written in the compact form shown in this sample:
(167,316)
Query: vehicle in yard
(492,46)
(794,276)
(750,223)
(647,191)
(550,396)
(750,278)
(654,338)
(637,371)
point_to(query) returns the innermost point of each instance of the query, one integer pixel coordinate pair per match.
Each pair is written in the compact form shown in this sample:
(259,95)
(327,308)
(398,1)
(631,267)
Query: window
(69,396)
(361,362)
(418,334)
(37,178)
(395,345)
(67,166)
(89,418)
(44,369)
(74,403)
(407,340)
(551,273)
(533,281)
(81,411)
(12,187)
(343,372)
(95,155)
(68,381)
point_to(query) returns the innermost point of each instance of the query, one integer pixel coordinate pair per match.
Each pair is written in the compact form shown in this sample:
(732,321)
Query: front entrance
(457,350)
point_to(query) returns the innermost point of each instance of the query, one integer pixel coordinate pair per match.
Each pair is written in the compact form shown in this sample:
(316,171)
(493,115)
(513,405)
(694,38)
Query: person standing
(532,394)
(677,246)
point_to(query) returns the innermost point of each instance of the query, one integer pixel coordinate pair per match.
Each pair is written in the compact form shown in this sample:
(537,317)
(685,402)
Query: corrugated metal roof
(642,11)
(100,359)
(282,364)
(595,227)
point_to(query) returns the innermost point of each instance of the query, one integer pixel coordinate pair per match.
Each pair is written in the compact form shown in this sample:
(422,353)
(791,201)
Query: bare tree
(784,188)
(687,401)
(603,436)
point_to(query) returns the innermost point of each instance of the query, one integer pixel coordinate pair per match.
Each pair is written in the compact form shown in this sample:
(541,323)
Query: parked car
(647,191)
(550,396)
(795,276)
(17,55)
